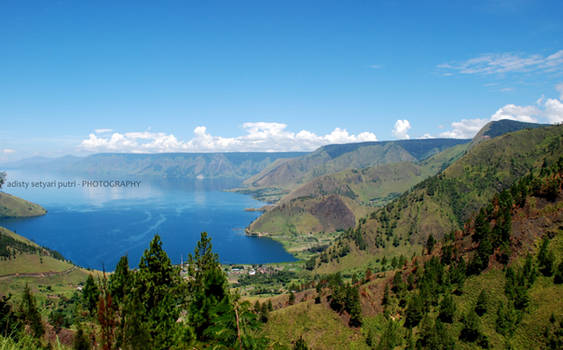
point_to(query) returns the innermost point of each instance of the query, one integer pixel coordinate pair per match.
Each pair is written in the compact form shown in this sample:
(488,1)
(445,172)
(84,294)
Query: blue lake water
(94,227)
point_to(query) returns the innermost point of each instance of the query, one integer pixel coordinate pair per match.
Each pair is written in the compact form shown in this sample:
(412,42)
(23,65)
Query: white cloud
(548,110)
(8,151)
(259,137)
(513,112)
(553,110)
(401,129)
(376,66)
(505,63)
(102,131)
(426,136)
(464,129)
(559,88)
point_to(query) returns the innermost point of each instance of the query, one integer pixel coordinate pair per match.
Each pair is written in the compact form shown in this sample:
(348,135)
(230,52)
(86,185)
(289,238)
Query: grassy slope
(529,225)
(360,190)
(444,202)
(334,158)
(64,282)
(320,327)
(12,206)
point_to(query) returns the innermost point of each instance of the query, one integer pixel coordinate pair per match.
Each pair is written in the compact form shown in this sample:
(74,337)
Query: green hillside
(496,283)
(336,201)
(12,206)
(443,203)
(330,159)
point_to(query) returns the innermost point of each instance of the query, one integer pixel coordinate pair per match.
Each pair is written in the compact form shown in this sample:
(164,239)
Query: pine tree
(415,311)
(208,287)
(29,313)
(430,242)
(385,300)
(546,259)
(156,289)
(558,279)
(391,336)
(470,331)
(90,295)
(447,309)
(482,300)
(120,280)
(291,298)
(507,319)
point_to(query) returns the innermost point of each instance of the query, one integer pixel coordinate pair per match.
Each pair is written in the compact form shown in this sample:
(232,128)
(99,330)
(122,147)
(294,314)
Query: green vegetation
(469,258)
(12,206)
(443,203)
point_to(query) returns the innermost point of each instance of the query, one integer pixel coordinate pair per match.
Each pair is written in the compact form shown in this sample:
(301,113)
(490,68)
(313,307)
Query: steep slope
(443,203)
(311,207)
(496,283)
(15,207)
(501,127)
(334,158)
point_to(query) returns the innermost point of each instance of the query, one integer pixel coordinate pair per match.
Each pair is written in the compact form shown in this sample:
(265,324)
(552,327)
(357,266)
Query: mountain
(15,207)
(444,203)
(290,173)
(496,283)
(164,165)
(337,201)
(501,127)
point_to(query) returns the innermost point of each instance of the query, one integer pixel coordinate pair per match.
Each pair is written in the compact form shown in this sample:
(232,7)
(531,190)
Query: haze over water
(94,227)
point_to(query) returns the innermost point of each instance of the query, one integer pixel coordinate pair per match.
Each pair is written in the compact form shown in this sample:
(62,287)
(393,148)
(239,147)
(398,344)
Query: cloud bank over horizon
(548,111)
(259,137)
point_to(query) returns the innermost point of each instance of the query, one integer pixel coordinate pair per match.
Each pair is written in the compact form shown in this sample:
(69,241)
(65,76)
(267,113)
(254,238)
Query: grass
(12,206)
(32,263)
(320,327)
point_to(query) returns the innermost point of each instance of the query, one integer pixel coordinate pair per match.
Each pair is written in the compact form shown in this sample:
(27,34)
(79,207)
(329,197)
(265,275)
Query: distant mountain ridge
(239,165)
(290,173)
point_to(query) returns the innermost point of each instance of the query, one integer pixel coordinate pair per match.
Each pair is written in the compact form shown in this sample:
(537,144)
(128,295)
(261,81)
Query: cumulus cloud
(501,63)
(464,129)
(548,110)
(559,89)
(8,151)
(102,131)
(519,113)
(259,137)
(401,129)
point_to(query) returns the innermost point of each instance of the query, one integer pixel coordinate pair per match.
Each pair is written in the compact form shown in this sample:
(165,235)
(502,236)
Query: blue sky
(269,75)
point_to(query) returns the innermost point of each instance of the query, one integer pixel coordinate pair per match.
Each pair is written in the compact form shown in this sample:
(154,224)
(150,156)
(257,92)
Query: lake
(95,226)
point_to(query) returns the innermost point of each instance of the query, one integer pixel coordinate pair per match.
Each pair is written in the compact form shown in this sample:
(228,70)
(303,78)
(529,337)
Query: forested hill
(329,159)
(235,165)
(443,203)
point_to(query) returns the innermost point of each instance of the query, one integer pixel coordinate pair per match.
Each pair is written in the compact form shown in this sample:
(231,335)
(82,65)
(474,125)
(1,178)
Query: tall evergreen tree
(156,290)
(546,258)
(208,288)
(447,309)
(482,300)
(558,278)
(29,313)
(90,295)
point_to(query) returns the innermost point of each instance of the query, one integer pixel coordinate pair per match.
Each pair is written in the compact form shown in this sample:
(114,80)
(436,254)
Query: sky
(83,77)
